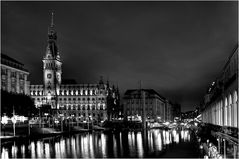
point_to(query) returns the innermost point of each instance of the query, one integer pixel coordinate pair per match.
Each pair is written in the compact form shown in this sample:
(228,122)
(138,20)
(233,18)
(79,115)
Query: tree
(23,104)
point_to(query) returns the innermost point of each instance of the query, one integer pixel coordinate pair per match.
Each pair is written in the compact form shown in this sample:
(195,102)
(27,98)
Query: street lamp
(80,117)
(61,124)
(29,126)
(46,119)
(218,141)
(14,122)
(4,121)
(89,122)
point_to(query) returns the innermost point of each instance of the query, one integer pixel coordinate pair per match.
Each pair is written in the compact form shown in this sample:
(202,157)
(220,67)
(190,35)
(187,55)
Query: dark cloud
(176,48)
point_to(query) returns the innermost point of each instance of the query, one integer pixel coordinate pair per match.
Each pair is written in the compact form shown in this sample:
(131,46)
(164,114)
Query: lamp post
(61,124)
(39,117)
(224,153)
(46,119)
(88,123)
(218,141)
(207,142)
(29,128)
(14,126)
(92,124)
(4,122)
(80,117)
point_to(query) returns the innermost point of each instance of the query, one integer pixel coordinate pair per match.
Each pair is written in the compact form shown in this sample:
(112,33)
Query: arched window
(230,110)
(225,111)
(235,109)
(235,97)
(230,99)
(225,101)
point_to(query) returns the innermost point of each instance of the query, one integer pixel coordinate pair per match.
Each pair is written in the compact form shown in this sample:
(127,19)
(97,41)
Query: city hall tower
(51,67)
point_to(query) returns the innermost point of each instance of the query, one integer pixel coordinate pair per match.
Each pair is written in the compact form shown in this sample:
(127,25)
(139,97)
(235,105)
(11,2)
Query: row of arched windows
(223,112)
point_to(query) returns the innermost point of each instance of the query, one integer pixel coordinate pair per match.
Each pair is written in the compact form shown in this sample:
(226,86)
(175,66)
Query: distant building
(177,111)
(14,77)
(169,108)
(190,115)
(154,105)
(96,101)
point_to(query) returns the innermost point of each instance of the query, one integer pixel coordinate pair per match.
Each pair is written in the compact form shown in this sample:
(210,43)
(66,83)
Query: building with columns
(80,101)
(14,77)
(221,99)
(221,102)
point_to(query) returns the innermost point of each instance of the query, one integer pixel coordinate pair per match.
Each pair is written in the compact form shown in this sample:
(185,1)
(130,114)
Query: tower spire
(52,19)
(51,29)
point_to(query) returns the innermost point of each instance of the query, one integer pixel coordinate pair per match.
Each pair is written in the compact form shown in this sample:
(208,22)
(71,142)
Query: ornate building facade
(71,100)
(14,77)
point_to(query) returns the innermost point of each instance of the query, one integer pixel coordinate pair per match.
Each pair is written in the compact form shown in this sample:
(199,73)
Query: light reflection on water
(93,145)
(140,144)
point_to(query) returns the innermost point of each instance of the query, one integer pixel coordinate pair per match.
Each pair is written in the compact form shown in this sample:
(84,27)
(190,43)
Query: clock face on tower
(48,75)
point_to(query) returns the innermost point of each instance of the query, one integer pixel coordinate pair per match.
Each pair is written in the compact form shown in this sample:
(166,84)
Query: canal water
(151,143)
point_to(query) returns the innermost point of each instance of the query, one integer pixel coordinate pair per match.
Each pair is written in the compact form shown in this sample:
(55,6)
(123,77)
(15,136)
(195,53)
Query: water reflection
(140,144)
(14,151)
(4,153)
(97,144)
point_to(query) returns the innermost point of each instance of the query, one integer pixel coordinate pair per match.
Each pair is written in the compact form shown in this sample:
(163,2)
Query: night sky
(176,48)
